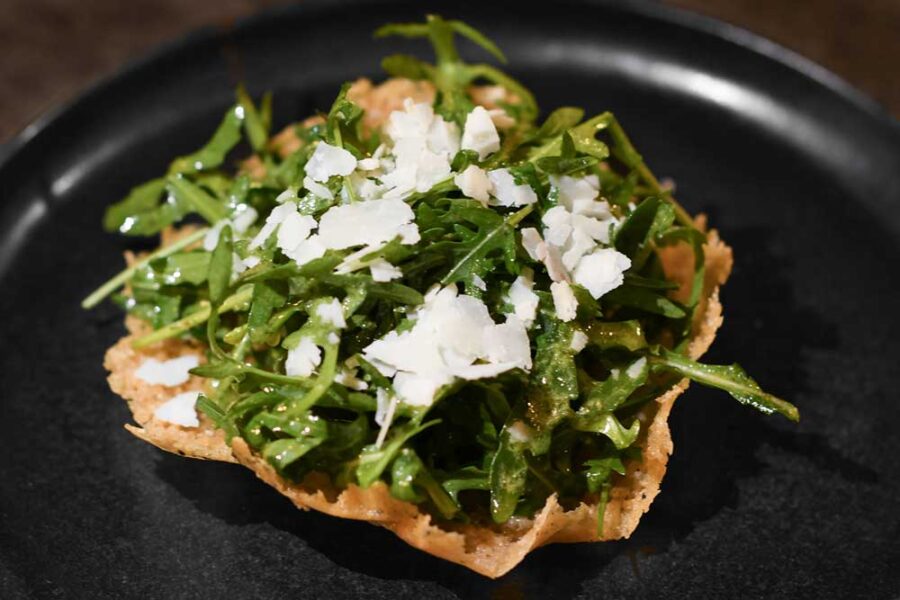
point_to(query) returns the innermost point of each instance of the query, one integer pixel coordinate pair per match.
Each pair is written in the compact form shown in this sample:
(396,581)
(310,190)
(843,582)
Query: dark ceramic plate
(799,172)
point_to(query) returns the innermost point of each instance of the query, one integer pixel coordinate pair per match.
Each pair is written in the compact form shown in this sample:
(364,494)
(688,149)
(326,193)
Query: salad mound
(425,309)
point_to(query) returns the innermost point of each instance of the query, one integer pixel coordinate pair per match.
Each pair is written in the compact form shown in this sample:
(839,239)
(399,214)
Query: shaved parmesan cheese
(479,283)
(293,230)
(347,376)
(303,359)
(243,218)
(579,341)
(453,336)
(602,271)
(506,192)
(473,182)
(179,410)
(368,164)
(317,189)
(275,218)
(168,372)
(480,134)
(332,313)
(381,271)
(423,146)
(368,223)
(564,300)
(307,250)
(531,239)
(635,368)
(384,415)
(328,160)
(522,297)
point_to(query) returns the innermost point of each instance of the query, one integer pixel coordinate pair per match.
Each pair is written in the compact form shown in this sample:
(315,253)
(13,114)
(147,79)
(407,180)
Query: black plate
(798,171)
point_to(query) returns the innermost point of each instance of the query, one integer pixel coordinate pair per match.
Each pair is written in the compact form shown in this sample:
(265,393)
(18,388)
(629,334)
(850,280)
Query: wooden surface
(51,49)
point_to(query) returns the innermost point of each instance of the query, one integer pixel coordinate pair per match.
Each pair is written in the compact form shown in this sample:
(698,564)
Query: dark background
(50,49)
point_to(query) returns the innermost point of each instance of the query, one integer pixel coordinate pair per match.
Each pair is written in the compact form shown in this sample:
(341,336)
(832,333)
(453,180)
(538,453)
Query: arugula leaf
(408,473)
(213,153)
(219,274)
(373,460)
(508,473)
(493,235)
(141,212)
(644,299)
(256,123)
(554,377)
(598,474)
(730,378)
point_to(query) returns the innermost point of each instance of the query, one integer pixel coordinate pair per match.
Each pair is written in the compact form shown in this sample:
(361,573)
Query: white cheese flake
(327,161)
(423,144)
(275,218)
(332,313)
(368,223)
(473,182)
(579,341)
(506,192)
(602,271)
(368,164)
(169,373)
(480,133)
(522,297)
(293,230)
(635,368)
(179,410)
(382,271)
(317,189)
(303,359)
(564,300)
(453,336)
(479,283)
(384,414)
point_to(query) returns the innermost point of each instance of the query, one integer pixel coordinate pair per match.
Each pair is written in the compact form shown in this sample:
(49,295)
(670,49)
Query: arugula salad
(464,302)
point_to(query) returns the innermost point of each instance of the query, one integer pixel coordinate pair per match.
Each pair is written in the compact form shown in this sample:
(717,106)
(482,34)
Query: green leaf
(473,35)
(255,123)
(267,296)
(554,378)
(644,299)
(282,453)
(141,212)
(191,195)
(373,460)
(478,249)
(213,154)
(598,474)
(468,478)
(206,406)
(410,67)
(617,334)
(599,470)
(730,378)
(558,122)
(408,473)
(220,270)
(608,395)
(508,473)
(119,280)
